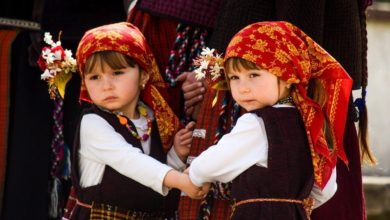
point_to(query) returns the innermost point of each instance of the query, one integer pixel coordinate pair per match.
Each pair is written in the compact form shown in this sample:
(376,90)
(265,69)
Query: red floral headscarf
(125,38)
(286,51)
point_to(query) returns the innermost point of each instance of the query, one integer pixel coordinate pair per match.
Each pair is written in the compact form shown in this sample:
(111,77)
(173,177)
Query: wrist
(173,179)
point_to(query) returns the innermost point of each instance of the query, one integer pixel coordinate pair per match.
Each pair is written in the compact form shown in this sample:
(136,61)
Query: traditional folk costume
(275,154)
(345,37)
(109,157)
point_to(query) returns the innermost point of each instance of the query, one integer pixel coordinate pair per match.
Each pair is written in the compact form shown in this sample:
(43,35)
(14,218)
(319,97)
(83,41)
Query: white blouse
(101,145)
(246,145)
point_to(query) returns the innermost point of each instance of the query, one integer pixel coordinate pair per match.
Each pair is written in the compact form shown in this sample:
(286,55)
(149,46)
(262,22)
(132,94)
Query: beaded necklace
(143,112)
(286,100)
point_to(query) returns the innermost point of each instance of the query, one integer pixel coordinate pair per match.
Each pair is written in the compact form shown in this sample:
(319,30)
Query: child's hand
(182,141)
(178,180)
(192,190)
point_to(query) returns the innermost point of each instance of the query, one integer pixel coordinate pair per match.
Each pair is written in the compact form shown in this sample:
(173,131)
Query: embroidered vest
(289,174)
(117,191)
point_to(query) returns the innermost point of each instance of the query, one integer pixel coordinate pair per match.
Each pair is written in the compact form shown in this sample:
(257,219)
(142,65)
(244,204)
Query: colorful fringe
(188,45)
(60,159)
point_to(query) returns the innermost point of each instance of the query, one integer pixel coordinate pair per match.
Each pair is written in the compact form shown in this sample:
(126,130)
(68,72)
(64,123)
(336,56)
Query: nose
(107,83)
(244,87)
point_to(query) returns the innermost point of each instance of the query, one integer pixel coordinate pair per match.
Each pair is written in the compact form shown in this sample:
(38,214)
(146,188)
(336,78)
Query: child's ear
(144,78)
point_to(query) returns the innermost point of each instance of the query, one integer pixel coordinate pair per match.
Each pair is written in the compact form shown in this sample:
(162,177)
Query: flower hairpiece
(57,65)
(209,65)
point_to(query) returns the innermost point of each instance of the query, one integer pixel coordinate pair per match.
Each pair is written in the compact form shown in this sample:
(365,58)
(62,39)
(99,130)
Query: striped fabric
(216,205)
(149,24)
(102,212)
(189,209)
(6,39)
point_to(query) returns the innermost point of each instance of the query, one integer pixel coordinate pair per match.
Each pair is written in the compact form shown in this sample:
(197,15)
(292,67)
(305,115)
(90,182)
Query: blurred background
(377,178)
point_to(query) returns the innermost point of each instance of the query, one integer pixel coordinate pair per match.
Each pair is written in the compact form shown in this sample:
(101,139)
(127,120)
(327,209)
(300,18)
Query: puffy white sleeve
(322,196)
(245,146)
(101,145)
(174,161)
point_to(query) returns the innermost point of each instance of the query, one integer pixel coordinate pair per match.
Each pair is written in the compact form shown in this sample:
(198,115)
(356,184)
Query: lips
(110,98)
(247,101)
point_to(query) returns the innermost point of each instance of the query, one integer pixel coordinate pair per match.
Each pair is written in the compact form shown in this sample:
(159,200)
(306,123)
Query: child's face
(254,89)
(115,89)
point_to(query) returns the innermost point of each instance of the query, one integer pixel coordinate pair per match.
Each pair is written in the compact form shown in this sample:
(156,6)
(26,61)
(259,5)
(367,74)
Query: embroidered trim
(307,203)
(20,23)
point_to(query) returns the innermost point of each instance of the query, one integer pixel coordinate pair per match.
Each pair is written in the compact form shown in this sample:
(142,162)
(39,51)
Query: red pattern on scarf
(125,38)
(286,51)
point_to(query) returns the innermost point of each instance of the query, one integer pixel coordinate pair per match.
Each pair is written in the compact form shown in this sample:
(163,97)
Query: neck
(133,115)
(133,112)
(286,100)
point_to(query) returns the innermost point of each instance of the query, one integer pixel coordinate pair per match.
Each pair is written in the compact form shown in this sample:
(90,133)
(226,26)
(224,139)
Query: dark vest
(117,190)
(289,174)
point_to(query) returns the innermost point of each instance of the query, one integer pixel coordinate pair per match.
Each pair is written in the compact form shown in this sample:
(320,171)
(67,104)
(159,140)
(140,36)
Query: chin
(248,109)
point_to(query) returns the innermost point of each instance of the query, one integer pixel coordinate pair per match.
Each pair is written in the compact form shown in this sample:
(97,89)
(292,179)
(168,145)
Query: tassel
(55,196)
(66,165)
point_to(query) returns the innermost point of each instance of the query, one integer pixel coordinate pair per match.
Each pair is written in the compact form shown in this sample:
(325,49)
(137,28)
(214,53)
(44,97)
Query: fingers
(182,77)
(186,139)
(190,126)
(193,91)
(193,101)
(186,134)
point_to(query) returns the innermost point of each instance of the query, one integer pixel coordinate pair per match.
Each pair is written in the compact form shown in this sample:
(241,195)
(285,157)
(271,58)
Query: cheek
(233,90)
(129,86)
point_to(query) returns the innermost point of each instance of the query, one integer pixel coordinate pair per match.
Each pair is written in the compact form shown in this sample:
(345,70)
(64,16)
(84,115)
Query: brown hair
(365,150)
(237,64)
(316,90)
(113,59)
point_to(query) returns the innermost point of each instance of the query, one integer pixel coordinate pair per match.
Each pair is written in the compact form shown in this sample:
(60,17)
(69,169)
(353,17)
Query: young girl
(119,153)
(281,155)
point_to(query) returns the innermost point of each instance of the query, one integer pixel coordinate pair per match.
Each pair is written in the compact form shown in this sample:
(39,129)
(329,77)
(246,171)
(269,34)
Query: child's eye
(233,77)
(93,77)
(118,72)
(253,75)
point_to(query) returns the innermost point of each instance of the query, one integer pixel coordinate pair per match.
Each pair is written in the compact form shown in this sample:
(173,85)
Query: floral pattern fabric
(125,38)
(286,51)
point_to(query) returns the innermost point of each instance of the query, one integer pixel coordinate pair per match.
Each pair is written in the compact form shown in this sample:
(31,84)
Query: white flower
(199,74)
(207,51)
(68,54)
(48,39)
(54,71)
(204,64)
(48,56)
(216,71)
(57,55)
(46,75)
